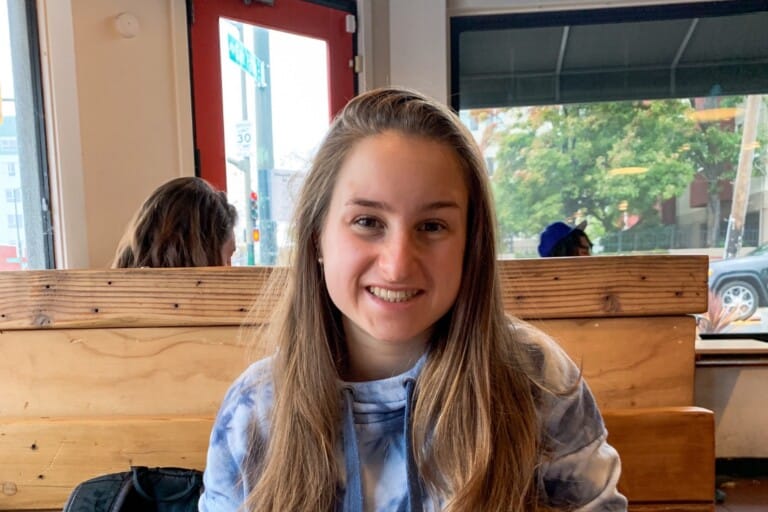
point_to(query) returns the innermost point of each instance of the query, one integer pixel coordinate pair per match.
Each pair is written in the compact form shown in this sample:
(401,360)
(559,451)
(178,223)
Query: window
(12,195)
(15,221)
(650,123)
(23,166)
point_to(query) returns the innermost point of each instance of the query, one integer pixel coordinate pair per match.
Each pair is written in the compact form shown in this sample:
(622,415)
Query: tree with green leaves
(714,147)
(566,162)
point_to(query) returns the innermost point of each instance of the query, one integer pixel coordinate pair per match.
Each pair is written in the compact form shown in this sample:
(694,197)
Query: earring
(320,260)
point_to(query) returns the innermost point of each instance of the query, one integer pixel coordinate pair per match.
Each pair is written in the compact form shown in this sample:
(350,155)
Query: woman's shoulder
(568,409)
(246,406)
(548,362)
(253,386)
(248,399)
(258,373)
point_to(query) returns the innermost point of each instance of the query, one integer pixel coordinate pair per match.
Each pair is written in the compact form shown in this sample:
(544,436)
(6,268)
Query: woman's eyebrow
(368,203)
(378,205)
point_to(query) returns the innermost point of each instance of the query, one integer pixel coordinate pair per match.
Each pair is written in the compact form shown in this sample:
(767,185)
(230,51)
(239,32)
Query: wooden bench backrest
(135,362)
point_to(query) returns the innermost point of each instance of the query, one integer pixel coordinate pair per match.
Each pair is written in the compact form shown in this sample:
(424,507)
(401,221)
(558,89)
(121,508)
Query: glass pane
(675,176)
(25,227)
(649,123)
(272,124)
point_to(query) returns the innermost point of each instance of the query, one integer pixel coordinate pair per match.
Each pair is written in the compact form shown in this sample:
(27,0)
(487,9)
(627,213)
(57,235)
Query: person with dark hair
(560,239)
(184,223)
(397,381)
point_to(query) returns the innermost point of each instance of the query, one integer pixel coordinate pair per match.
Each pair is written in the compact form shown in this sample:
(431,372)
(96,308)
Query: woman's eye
(367,222)
(433,227)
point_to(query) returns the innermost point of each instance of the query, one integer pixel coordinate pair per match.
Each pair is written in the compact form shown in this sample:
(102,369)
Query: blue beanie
(552,235)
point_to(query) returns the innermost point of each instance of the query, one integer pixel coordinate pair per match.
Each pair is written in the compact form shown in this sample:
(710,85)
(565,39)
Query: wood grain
(534,288)
(186,370)
(42,460)
(107,368)
(142,371)
(607,286)
(146,297)
(631,362)
(668,454)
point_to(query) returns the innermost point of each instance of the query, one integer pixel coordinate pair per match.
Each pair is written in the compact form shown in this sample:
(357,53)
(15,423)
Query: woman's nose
(397,256)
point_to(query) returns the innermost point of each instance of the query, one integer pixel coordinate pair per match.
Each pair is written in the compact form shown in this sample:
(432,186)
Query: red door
(266,81)
(292,16)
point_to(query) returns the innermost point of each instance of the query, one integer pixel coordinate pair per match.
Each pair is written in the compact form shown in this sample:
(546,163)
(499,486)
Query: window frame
(29,114)
(565,17)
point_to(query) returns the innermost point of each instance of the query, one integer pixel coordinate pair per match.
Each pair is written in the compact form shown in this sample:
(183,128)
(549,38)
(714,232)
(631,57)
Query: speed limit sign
(243,138)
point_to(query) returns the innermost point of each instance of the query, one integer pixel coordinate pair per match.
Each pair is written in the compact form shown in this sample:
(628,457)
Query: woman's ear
(318,250)
(319,255)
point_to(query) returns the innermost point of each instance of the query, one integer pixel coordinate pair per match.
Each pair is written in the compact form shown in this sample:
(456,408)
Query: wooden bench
(104,369)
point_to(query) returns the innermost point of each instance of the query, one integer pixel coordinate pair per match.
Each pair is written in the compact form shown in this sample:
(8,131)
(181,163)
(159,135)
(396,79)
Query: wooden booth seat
(104,369)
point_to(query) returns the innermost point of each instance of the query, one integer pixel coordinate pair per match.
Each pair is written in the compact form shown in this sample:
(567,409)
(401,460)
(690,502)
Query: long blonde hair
(476,433)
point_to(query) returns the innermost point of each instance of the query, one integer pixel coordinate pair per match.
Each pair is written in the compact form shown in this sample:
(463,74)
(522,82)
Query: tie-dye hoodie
(580,474)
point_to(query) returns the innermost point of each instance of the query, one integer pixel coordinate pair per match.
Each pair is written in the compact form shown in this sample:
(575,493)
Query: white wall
(737,395)
(133,111)
(418,46)
(135,119)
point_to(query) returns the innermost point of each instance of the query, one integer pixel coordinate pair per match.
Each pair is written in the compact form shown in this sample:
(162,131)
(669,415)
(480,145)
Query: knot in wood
(9,488)
(612,304)
(42,320)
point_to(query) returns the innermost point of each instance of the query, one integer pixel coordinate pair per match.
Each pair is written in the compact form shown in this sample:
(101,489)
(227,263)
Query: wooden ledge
(741,346)
(595,287)
(731,352)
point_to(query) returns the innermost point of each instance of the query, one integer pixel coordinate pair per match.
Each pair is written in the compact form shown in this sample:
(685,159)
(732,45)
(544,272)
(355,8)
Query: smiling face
(393,247)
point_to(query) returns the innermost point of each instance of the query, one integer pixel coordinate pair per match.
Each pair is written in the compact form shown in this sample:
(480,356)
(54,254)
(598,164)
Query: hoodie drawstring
(353,497)
(414,484)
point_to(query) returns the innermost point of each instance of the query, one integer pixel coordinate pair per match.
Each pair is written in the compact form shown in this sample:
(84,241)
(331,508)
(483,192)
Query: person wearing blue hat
(561,239)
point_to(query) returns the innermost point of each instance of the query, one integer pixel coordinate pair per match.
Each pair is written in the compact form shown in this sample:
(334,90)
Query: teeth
(392,295)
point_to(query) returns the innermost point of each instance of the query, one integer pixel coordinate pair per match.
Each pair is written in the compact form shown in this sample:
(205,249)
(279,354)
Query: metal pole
(38,249)
(246,164)
(19,243)
(264,149)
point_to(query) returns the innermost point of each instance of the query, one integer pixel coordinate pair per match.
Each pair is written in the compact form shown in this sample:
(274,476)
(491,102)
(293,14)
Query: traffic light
(253,208)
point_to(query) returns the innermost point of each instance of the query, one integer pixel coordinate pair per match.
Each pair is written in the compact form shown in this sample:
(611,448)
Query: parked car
(742,282)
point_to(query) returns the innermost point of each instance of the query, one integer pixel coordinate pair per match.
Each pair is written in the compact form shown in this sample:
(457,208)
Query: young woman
(184,223)
(398,383)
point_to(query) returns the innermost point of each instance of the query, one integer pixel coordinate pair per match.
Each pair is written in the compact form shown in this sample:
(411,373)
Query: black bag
(141,489)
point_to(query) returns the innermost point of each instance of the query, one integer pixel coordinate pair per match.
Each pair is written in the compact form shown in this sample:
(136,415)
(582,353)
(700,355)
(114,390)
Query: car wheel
(741,297)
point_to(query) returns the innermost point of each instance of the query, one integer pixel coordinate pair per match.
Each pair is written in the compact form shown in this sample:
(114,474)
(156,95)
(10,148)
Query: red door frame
(296,16)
